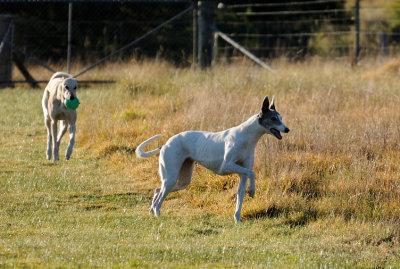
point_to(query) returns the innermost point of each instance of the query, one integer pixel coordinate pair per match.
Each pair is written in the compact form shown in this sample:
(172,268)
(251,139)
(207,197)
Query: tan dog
(60,88)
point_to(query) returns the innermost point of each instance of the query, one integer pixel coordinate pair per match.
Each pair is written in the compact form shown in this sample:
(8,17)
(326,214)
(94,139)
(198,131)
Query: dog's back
(53,92)
(60,75)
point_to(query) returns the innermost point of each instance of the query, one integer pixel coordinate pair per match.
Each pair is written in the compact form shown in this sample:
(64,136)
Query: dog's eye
(66,87)
(75,88)
(274,119)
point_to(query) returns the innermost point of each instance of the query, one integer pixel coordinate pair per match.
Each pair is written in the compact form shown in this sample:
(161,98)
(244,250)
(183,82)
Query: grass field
(328,194)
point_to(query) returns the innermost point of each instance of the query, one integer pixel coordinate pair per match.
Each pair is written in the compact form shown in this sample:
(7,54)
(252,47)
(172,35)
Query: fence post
(206,37)
(6,40)
(357,23)
(383,44)
(69,37)
(215,49)
(195,35)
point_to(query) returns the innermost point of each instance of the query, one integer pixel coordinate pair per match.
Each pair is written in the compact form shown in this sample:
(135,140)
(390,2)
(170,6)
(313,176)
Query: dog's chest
(243,154)
(61,113)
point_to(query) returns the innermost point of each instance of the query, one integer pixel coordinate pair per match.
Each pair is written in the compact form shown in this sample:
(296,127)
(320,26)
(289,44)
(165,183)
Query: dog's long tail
(60,75)
(144,154)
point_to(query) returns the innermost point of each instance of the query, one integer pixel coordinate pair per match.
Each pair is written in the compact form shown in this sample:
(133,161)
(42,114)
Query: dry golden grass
(341,157)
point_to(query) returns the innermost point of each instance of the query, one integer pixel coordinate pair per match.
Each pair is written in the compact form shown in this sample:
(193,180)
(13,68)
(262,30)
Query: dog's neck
(251,129)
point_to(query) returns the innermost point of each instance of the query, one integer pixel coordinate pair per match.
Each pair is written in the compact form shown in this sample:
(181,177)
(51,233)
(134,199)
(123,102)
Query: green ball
(72,104)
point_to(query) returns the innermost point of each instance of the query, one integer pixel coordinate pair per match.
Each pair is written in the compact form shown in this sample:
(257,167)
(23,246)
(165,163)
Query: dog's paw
(251,193)
(237,218)
(157,212)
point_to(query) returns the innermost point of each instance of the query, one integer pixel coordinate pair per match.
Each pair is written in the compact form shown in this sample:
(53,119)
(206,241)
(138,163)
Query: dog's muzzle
(277,134)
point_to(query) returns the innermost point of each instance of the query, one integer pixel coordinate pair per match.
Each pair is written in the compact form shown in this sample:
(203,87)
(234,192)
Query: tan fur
(60,88)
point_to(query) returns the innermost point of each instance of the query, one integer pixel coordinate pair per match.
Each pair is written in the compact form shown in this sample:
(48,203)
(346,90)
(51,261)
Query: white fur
(227,152)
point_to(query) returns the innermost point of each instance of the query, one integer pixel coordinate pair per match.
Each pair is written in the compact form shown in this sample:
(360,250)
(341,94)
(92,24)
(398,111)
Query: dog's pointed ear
(265,105)
(272,105)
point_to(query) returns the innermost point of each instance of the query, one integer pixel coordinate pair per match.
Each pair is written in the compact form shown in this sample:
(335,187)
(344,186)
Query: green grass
(91,211)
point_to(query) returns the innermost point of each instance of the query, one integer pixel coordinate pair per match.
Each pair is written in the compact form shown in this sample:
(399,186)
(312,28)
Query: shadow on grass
(109,201)
(302,219)
(293,219)
(114,197)
(270,212)
(109,150)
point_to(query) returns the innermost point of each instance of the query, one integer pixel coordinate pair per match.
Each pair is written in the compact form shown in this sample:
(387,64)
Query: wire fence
(99,29)
(296,29)
(115,30)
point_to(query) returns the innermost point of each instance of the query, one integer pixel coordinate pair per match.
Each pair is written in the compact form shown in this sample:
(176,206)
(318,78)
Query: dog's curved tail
(60,75)
(144,154)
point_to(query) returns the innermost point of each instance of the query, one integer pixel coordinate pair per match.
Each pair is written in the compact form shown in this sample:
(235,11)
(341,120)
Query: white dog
(60,88)
(227,152)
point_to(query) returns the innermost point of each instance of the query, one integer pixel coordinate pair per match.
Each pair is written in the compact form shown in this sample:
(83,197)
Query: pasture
(327,194)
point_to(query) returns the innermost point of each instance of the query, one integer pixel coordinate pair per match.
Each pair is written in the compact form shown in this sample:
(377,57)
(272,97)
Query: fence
(94,31)
(296,29)
(56,33)
(6,35)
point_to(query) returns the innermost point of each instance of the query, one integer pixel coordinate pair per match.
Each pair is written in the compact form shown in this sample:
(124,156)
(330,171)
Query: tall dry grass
(341,157)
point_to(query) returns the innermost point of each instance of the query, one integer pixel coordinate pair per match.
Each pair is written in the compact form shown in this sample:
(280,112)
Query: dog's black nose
(287,130)
(72,97)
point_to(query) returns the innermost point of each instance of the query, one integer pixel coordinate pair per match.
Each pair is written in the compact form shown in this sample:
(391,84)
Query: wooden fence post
(6,40)
(206,37)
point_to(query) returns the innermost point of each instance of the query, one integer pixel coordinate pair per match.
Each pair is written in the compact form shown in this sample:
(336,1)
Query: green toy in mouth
(72,104)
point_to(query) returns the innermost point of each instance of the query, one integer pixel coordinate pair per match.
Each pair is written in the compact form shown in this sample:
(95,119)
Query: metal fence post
(357,23)
(383,44)
(206,21)
(69,37)
(195,35)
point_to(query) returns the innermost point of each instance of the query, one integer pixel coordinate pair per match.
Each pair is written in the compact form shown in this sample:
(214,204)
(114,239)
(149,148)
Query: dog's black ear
(265,105)
(272,105)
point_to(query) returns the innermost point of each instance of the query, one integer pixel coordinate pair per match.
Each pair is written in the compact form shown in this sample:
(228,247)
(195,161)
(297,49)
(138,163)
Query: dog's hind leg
(170,165)
(72,130)
(155,196)
(173,182)
(185,175)
(166,187)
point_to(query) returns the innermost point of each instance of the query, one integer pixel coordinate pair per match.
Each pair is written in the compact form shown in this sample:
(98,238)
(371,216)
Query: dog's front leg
(54,138)
(252,185)
(244,173)
(72,130)
(63,129)
(252,188)
(233,168)
(240,197)
(49,137)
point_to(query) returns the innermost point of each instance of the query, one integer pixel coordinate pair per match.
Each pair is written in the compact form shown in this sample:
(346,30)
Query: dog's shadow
(291,218)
